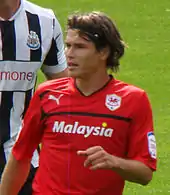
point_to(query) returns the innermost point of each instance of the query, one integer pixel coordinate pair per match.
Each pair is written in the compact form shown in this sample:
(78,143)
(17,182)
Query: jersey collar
(95,92)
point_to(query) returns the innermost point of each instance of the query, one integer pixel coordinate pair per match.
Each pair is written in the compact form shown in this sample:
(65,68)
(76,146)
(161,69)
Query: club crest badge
(113,102)
(33,41)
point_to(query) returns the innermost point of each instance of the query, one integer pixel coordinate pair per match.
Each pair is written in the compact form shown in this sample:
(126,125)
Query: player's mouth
(72,65)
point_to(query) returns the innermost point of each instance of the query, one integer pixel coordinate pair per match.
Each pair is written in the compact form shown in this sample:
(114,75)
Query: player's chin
(73,73)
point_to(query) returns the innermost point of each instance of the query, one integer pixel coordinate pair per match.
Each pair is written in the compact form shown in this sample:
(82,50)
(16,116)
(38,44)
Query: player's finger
(93,157)
(100,160)
(93,150)
(89,151)
(98,166)
(82,152)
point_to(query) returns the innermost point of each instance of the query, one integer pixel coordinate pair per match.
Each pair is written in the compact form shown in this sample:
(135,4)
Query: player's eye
(79,46)
(68,45)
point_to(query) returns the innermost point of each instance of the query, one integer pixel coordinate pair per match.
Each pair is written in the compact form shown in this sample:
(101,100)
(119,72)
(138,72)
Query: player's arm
(17,168)
(134,171)
(130,170)
(140,163)
(14,176)
(55,65)
(141,155)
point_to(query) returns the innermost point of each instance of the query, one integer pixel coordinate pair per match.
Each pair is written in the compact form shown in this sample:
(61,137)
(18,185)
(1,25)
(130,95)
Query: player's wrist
(118,164)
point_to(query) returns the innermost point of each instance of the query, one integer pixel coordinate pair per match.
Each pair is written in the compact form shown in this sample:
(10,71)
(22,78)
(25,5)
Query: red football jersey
(117,117)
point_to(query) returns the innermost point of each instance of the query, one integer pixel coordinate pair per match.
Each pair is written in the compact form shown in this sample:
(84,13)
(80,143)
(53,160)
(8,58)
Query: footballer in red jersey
(96,131)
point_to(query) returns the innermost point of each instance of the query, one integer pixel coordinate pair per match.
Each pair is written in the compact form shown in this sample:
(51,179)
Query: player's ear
(104,53)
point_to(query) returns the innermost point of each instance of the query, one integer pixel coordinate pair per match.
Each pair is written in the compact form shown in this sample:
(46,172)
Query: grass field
(145,27)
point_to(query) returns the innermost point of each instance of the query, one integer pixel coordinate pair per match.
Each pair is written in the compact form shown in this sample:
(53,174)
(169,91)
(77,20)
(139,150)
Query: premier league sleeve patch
(152,145)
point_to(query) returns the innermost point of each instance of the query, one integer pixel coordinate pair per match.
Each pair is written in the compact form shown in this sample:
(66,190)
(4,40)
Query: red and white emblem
(113,102)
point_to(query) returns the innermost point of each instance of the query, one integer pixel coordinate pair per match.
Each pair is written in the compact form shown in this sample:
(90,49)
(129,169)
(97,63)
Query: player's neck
(92,84)
(8,8)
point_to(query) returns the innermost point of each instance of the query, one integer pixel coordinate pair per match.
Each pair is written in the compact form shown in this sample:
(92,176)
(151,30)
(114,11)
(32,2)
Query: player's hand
(98,158)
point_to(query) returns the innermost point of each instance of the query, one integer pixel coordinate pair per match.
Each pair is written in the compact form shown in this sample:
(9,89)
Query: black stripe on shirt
(2,160)
(100,115)
(28,96)
(34,25)
(8,40)
(5,112)
(43,93)
(51,58)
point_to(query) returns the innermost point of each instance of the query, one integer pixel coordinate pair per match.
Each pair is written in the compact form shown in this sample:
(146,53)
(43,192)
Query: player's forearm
(134,171)
(14,176)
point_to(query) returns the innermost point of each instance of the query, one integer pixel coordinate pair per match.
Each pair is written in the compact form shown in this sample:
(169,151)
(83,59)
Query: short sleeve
(31,132)
(142,143)
(55,60)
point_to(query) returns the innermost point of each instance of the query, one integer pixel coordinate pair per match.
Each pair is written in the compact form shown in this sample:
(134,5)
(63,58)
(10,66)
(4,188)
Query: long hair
(102,31)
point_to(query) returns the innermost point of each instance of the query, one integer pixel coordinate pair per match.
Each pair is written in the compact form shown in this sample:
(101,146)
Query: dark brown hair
(101,30)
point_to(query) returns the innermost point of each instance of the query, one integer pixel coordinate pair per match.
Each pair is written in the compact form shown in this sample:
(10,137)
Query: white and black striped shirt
(30,38)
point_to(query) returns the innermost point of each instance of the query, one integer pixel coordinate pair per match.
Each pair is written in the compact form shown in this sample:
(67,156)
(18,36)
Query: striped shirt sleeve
(55,60)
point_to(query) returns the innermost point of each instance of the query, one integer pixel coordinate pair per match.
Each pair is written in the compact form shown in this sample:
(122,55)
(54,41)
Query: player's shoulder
(129,89)
(38,10)
(55,84)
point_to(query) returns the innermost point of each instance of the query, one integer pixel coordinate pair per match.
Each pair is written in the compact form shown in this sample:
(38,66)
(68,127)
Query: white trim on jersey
(22,51)
(50,69)
(18,11)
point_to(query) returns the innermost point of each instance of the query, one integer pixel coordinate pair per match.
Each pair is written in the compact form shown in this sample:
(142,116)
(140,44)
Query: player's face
(82,57)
